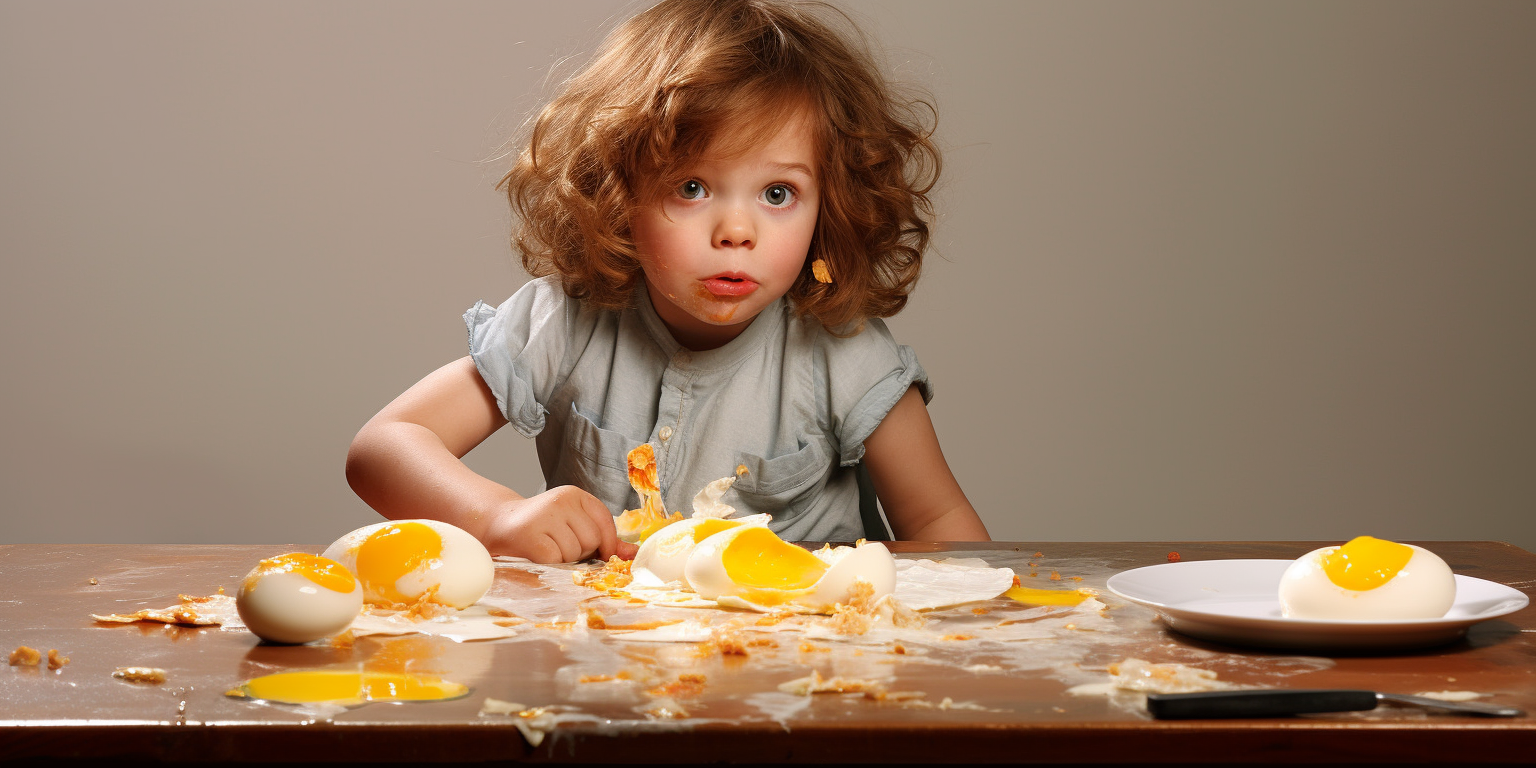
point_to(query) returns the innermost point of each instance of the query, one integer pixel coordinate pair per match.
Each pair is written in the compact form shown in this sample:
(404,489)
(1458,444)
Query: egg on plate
(749,564)
(297,598)
(664,554)
(403,561)
(1368,579)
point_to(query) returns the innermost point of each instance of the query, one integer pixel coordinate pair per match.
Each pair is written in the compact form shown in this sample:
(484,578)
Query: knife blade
(1283,702)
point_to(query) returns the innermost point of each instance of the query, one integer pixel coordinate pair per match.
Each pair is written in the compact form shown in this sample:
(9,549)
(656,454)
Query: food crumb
(899,649)
(1039,554)
(955,637)
(149,675)
(981,611)
(24,656)
(91,581)
(55,661)
(1173,557)
(1055,576)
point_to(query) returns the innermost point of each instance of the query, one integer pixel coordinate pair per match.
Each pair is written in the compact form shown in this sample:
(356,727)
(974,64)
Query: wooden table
(1013,694)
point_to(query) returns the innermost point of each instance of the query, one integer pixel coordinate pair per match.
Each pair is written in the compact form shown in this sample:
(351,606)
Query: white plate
(1237,601)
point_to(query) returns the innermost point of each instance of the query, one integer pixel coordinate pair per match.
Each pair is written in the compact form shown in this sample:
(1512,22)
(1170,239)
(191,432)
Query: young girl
(717,210)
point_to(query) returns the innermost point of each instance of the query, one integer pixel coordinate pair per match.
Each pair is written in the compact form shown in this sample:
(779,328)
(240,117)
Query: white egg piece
(750,564)
(298,598)
(664,554)
(1368,579)
(400,561)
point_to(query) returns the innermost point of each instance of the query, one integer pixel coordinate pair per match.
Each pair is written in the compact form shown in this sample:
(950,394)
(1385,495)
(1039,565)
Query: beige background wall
(1206,270)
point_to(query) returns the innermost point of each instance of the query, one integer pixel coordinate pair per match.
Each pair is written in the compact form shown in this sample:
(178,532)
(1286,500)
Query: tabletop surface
(983,682)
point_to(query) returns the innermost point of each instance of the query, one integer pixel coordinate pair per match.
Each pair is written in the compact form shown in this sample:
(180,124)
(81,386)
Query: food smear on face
(1367,579)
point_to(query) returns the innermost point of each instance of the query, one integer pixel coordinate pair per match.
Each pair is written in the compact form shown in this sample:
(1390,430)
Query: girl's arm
(405,464)
(919,494)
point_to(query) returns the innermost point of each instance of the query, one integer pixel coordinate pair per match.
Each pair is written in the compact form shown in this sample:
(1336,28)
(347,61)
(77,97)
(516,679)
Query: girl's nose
(735,230)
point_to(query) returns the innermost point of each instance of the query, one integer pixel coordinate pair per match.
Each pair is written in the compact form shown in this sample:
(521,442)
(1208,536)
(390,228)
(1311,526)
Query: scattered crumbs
(805,686)
(664,709)
(1077,578)
(91,581)
(55,661)
(24,656)
(1173,557)
(593,619)
(147,675)
(688,684)
(611,578)
(533,723)
(221,590)
(981,611)
(1055,576)
(899,649)
(741,469)
(955,637)
(1039,554)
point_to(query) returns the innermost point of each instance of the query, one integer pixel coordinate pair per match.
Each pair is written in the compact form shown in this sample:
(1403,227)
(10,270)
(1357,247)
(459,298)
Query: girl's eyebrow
(801,167)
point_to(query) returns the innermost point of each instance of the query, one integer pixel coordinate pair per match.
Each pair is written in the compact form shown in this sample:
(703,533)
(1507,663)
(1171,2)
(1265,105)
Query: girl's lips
(729,287)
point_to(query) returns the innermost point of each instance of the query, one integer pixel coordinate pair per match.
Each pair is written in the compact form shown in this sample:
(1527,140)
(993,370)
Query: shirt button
(666,433)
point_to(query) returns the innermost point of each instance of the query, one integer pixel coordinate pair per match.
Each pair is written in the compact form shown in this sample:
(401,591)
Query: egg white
(871,562)
(1424,588)
(462,575)
(664,554)
(287,607)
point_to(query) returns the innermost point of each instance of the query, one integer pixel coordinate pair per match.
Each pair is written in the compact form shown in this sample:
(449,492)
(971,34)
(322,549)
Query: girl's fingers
(607,543)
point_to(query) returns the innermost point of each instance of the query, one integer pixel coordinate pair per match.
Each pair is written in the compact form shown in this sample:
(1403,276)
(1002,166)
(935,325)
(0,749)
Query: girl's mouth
(730,286)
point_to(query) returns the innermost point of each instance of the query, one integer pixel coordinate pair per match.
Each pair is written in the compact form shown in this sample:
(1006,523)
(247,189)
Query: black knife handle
(1271,703)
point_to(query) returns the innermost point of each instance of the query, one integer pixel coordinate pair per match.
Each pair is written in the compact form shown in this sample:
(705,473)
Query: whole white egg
(401,560)
(298,597)
(751,564)
(664,554)
(1368,579)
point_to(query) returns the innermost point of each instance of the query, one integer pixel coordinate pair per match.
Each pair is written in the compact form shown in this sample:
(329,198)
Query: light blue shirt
(787,399)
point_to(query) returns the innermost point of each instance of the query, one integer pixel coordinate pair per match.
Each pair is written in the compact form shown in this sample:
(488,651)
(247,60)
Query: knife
(1278,703)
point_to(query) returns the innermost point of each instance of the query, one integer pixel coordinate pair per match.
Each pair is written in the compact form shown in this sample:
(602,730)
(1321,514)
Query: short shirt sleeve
(519,348)
(866,375)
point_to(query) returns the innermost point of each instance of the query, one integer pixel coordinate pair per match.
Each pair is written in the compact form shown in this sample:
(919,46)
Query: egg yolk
(710,527)
(347,688)
(394,551)
(320,570)
(758,559)
(1365,563)
(1030,596)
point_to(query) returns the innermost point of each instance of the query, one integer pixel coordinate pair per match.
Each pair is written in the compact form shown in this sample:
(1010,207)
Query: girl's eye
(690,190)
(778,195)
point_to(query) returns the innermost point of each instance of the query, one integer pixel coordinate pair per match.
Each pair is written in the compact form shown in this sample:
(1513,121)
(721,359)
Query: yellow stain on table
(348,688)
(1030,596)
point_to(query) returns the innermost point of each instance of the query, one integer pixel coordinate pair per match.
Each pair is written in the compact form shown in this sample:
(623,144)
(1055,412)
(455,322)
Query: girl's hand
(561,525)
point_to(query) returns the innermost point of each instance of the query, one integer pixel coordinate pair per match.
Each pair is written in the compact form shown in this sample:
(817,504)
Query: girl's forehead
(788,138)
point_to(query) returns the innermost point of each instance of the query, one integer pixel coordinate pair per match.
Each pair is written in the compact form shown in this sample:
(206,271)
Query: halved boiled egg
(298,597)
(1368,579)
(664,554)
(405,561)
(750,564)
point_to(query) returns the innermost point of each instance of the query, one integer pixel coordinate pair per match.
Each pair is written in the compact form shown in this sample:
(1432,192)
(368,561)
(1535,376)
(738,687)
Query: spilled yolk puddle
(1030,596)
(392,552)
(1365,562)
(758,559)
(347,688)
(322,571)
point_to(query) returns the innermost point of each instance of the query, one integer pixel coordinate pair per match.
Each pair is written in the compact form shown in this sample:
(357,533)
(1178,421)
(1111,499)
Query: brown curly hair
(675,80)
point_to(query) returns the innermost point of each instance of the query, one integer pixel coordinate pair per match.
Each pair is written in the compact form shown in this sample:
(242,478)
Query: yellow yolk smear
(1365,562)
(710,527)
(770,569)
(347,687)
(392,552)
(1030,596)
(321,570)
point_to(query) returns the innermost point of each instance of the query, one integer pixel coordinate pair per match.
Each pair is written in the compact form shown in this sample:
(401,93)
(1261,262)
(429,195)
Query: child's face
(725,244)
